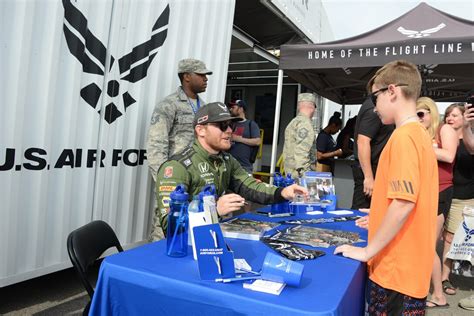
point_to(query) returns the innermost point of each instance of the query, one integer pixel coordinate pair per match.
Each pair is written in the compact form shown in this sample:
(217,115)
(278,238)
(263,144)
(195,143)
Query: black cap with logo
(212,113)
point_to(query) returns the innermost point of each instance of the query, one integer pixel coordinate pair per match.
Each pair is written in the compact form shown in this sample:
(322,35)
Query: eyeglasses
(224,125)
(422,114)
(373,96)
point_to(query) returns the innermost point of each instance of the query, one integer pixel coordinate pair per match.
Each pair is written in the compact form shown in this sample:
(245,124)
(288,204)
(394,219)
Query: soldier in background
(299,136)
(171,129)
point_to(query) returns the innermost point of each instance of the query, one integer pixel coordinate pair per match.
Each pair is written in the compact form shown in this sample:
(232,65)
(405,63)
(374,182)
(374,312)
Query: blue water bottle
(285,207)
(278,181)
(288,180)
(208,189)
(177,232)
(207,197)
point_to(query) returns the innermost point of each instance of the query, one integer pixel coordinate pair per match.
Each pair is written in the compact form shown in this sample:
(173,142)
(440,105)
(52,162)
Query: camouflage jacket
(171,129)
(195,168)
(299,138)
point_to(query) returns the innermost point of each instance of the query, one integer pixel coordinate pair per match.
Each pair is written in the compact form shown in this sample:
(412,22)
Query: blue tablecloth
(145,281)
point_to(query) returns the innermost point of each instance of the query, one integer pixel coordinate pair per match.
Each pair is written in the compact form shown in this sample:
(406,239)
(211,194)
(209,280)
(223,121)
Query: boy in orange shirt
(402,226)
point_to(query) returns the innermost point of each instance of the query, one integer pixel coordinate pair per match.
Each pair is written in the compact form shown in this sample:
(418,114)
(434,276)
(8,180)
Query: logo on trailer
(91,53)
(420,34)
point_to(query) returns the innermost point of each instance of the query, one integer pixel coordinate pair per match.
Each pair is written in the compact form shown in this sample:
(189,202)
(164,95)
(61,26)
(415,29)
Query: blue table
(144,281)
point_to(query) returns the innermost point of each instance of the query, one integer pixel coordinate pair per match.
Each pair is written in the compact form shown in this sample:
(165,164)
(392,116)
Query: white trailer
(80,79)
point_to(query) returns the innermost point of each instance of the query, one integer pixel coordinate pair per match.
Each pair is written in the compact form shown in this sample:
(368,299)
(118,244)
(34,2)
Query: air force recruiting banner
(80,79)
(443,46)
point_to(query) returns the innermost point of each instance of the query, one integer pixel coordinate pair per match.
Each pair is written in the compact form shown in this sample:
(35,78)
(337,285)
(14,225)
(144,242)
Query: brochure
(245,228)
(316,237)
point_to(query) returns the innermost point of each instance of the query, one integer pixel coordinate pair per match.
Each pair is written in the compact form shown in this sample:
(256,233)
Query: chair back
(86,244)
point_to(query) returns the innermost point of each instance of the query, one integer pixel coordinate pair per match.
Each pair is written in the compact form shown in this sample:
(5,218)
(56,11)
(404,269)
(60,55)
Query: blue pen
(238,279)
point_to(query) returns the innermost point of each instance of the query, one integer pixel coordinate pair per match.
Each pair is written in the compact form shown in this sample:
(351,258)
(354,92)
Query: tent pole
(276,126)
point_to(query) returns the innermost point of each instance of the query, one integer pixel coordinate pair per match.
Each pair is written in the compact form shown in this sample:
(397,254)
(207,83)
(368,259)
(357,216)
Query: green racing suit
(195,167)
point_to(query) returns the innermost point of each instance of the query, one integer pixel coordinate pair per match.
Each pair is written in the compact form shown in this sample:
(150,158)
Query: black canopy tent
(441,44)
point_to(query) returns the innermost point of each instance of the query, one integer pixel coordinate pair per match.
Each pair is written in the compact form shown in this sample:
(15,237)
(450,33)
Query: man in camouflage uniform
(171,129)
(299,137)
(206,162)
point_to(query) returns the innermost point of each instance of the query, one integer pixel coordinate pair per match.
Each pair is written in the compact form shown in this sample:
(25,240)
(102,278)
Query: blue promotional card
(214,260)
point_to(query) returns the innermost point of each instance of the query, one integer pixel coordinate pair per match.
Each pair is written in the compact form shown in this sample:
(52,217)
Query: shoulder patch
(302,133)
(184,157)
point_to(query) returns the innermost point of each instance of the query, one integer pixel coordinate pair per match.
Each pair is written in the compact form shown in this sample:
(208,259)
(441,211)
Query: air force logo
(92,53)
(420,34)
(469,232)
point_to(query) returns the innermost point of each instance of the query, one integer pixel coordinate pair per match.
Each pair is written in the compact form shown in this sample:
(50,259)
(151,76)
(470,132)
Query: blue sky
(353,17)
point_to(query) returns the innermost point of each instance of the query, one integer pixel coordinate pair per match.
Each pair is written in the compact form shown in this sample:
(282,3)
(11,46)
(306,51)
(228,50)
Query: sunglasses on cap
(422,114)
(373,96)
(224,125)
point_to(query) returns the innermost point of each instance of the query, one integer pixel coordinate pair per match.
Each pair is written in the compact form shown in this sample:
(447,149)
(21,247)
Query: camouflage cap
(308,97)
(212,113)
(190,65)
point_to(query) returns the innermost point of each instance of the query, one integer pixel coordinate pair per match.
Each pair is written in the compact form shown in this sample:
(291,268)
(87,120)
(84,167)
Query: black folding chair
(85,245)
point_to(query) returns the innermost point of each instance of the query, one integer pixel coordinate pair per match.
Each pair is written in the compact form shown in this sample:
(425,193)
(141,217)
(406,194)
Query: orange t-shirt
(407,170)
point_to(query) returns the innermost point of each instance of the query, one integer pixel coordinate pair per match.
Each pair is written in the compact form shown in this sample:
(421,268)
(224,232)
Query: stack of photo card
(265,286)
(320,220)
(316,237)
(245,228)
(291,251)
(319,184)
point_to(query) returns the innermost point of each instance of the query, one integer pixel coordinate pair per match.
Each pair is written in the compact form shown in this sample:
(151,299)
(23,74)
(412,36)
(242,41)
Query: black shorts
(389,302)
(444,201)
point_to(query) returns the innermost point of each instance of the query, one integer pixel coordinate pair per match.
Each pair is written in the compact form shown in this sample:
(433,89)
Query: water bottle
(196,218)
(177,232)
(288,180)
(285,207)
(208,203)
(278,181)
(195,205)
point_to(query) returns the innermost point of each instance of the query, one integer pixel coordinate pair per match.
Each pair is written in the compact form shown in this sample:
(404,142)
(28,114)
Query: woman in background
(345,139)
(326,145)
(445,142)
(463,185)
(468,140)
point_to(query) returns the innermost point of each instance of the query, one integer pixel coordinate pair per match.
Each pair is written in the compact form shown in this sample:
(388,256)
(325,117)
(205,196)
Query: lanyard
(194,107)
